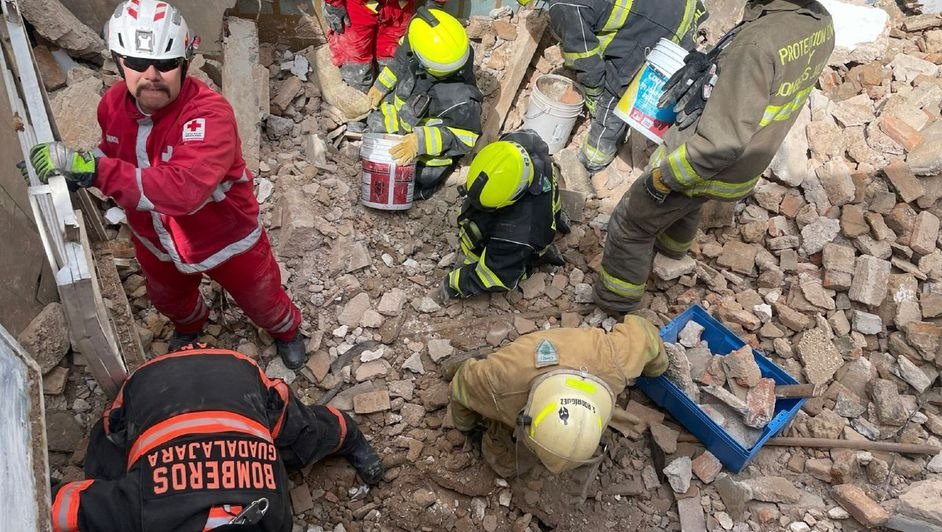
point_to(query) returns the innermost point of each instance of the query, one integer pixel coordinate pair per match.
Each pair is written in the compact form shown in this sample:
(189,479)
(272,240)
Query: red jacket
(179,175)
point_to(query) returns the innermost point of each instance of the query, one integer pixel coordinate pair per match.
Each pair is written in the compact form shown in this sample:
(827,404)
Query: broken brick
(865,510)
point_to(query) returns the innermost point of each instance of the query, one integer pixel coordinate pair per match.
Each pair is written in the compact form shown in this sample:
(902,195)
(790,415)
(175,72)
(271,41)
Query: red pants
(252,278)
(371,34)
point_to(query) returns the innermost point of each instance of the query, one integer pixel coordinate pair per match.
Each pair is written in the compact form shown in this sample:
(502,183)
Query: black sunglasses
(140,64)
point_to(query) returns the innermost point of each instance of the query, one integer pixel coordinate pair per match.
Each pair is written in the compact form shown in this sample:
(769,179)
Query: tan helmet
(567,412)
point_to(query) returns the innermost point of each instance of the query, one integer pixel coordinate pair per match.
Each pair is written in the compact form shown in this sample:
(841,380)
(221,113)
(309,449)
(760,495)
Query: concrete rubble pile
(832,269)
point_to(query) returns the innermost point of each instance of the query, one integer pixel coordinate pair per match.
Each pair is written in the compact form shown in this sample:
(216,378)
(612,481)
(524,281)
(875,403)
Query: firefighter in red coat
(201,439)
(170,156)
(363,32)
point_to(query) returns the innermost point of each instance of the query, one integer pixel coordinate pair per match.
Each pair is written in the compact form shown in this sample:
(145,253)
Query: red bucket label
(380,193)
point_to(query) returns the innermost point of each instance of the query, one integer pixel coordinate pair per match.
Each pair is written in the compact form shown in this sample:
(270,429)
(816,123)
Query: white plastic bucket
(638,106)
(385,185)
(552,110)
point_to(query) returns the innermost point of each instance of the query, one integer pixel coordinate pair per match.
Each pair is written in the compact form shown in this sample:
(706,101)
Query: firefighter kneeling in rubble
(553,391)
(200,439)
(510,216)
(428,94)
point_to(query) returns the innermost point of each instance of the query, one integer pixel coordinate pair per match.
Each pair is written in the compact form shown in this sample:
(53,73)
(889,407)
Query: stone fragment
(523,325)
(913,374)
(319,365)
(741,366)
(760,402)
(925,233)
(439,348)
(901,132)
(791,318)
(372,370)
(669,269)
(678,370)
(372,319)
(889,405)
(926,159)
(836,257)
(691,515)
(820,357)
(392,302)
(689,336)
(871,276)
(78,124)
(852,221)
(370,402)
(738,256)
(727,398)
(665,437)
(866,323)
(301,499)
(46,337)
(921,501)
(772,489)
(679,473)
(848,406)
(924,337)
(414,364)
(865,510)
(834,176)
(63,431)
(54,382)
(902,178)
(352,312)
(734,494)
(425,305)
(706,467)
(815,235)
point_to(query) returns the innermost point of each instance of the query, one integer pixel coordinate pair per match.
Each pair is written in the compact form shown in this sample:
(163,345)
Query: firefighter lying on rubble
(553,391)
(201,439)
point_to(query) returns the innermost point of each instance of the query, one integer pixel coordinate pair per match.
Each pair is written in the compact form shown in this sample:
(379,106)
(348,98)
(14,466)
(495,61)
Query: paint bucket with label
(638,106)
(554,105)
(385,185)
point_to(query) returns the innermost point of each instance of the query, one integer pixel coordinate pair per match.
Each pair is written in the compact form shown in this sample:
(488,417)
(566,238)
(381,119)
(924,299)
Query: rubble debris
(679,473)
(46,338)
(859,505)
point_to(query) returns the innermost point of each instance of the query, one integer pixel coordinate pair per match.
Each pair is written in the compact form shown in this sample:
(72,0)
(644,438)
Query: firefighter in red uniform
(170,156)
(364,31)
(200,439)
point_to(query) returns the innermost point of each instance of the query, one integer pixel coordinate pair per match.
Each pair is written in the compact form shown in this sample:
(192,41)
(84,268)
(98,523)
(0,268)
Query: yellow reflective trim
(681,167)
(619,14)
(779,113)
(598,420)
(657,157)
(487,277)
(372,5)
(673,245)
(689,11)
(547,410)
(454,279)
(724,190)
(596,156)
(466,136)
(569,58)
(387,77)
(581,385)
(390,117)
(436,140)
(621,288)
(604,40)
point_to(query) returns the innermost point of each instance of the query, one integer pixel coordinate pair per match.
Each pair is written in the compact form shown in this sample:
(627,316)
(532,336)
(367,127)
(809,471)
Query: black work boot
(550,256)
(292,352)
(180,340)
(364,459)
(563,223)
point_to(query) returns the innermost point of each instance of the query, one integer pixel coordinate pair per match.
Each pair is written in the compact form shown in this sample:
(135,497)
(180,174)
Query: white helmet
(149,29)
(566,413)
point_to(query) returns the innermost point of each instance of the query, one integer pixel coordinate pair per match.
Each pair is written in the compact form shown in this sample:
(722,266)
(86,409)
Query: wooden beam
(122,316)
(531,24)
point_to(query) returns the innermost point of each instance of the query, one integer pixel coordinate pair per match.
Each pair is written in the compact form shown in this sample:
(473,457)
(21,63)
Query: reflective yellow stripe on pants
(488,278)
(620,287)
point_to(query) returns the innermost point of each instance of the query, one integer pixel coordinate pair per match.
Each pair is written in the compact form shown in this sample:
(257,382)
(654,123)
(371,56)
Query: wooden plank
(122,316)
(531,24)
(85,312)
(94,221)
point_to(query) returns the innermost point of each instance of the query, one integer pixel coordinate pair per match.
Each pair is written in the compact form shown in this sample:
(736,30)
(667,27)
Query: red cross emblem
(194,129)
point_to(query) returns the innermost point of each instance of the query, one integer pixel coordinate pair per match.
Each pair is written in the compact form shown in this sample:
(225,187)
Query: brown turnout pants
(639,225)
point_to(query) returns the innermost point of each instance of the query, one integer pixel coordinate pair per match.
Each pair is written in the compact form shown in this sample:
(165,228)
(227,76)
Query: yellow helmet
(499,175)
(567,412)
(438,41)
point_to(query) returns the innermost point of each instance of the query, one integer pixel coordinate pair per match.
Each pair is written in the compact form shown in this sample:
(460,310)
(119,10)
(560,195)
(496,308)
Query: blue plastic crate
(669,397)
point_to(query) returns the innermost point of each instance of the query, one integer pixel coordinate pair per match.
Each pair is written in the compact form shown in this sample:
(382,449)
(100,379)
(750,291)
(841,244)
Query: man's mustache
(152,86)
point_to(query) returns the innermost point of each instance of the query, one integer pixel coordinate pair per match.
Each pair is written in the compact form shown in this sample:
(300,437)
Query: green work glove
(55,158)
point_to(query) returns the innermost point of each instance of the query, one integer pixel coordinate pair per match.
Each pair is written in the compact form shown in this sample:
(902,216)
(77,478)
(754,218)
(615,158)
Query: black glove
(655,187)
(689,88)
(336,17)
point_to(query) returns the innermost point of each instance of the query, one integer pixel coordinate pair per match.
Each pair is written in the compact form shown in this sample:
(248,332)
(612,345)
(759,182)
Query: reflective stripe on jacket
(766,75)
